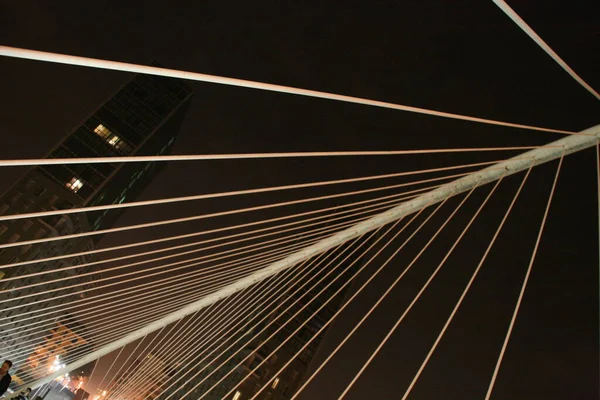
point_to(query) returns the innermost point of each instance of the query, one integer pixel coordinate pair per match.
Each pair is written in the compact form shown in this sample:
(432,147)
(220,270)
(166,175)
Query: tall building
(142,118)
(49,353)
(254,366)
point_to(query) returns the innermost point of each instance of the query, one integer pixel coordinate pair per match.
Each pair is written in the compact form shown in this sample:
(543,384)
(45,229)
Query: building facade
(143,118)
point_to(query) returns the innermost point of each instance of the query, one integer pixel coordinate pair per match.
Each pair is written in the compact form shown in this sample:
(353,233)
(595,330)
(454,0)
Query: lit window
(75,184)
(237,395)
(102,131)
(113,141)
(275,383)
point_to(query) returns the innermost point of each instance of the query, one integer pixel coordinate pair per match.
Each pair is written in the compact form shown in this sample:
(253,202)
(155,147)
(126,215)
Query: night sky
(465,57)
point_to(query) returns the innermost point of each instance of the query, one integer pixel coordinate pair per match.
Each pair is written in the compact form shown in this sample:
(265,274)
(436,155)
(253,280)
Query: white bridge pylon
(565,146)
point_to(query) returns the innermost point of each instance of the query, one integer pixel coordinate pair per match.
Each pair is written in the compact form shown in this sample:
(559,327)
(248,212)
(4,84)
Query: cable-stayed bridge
(244,284)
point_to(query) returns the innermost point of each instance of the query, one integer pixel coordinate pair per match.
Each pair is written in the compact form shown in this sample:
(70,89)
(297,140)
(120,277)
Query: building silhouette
(143,118)
(258,362)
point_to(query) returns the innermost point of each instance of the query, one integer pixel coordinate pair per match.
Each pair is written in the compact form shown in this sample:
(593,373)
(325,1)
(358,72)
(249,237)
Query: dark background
(465,57)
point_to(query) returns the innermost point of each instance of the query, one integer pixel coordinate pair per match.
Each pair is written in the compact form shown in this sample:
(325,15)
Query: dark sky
(464,57)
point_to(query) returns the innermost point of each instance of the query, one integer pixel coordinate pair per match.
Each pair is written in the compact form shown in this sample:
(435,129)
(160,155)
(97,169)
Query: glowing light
(74,184)
(102,131)
(114,140)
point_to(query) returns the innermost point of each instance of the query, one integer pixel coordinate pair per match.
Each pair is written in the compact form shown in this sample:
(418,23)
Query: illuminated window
(113,141)
(74,184)
(102,131)
(111,138)
(237,395)
(275,383)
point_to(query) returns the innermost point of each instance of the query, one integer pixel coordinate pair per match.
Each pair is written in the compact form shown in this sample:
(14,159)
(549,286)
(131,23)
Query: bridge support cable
(169,200)
(206,259)
(327,230)
(598,183)
(544,46)
(327,213)
(134,321)
(182,327)
(270,303)
(264,317)
(242,210)
(523,286)
(465,291)
(187,298)
(292,317)
(360,213)
(206,196)
(564,146)
(363,319)
(96,321)
(171,73)
(127,365)
(113,364)
(96,299)
(390,288)
(138,319)
(248,156)
(203,334)
(288,308)
(398,279)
